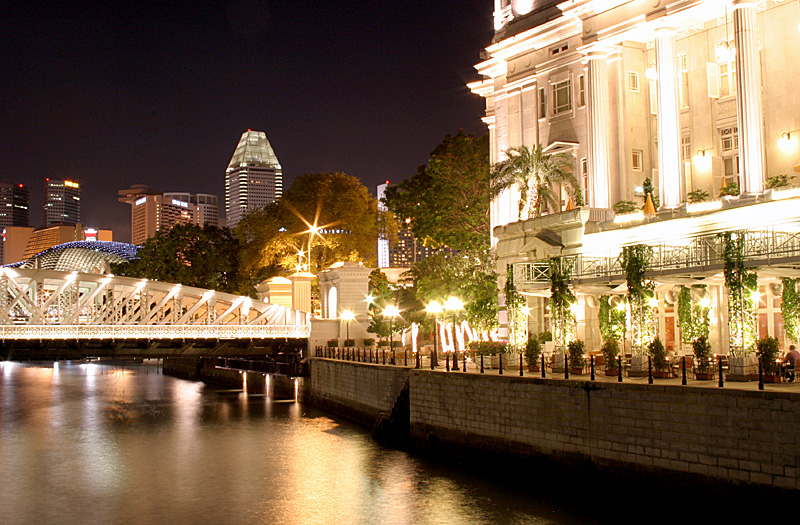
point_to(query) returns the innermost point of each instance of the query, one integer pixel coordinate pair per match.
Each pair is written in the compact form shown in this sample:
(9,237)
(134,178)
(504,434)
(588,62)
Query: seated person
(790,363)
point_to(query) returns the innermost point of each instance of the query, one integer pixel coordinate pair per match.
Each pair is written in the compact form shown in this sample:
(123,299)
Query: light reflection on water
(97,443)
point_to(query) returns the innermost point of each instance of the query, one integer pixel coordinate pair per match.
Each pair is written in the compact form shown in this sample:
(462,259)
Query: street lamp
(454,304)
(347,316)
(391,311)
(434,308)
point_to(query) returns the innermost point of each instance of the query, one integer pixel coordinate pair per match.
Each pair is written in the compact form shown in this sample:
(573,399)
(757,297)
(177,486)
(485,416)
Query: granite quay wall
(204,369)
(732,435)
(359,391)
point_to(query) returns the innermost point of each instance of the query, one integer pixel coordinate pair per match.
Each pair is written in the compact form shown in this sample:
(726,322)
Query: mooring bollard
(683,370)
(447,361)
(433,358)
(405,357)
(384,355)
(543,371)
(455,359)
(417,366)
(520,365)
(464,362)
(760,375)
(721,378)
(500,359)
(566,367)
(591,363)
(481,363)
(394,361)
(649,370)
(619,369)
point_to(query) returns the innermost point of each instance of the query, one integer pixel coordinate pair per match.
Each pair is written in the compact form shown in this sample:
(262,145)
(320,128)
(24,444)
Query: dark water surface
(89,443)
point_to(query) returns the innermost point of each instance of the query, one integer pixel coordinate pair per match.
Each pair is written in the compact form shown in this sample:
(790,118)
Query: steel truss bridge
(55,314)
(700,256)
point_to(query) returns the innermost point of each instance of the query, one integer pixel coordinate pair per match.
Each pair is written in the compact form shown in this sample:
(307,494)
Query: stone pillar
(301,290)
(351,281)
(748,90)
(670,169)
(598,128)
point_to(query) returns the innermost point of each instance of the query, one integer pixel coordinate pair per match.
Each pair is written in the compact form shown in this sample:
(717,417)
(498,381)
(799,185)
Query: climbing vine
(612,320)
(790,308)
(693,316)
(635,261)
(741,285)
(517,318)
(561,299)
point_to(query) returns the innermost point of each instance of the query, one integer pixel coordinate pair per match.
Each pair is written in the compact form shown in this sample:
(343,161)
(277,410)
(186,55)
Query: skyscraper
(14,201)
(254,177)
(62,202)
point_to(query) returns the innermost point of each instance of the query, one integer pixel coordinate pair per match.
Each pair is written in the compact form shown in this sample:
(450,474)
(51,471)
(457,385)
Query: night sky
(113,93)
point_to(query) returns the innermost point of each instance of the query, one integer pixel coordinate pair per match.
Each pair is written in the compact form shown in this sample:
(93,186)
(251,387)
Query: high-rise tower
(254,177)
(62,202)
(14,201)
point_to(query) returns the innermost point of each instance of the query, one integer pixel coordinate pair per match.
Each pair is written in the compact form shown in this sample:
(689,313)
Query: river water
(90,443)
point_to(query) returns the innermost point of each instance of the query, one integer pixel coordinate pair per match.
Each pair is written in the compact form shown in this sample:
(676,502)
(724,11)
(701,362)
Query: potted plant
(658,356)
(767,350)
(349,342)
(333,343)
(369,342)
(533,352)
(610,351)
(496,350)
(704,370)
(575,351)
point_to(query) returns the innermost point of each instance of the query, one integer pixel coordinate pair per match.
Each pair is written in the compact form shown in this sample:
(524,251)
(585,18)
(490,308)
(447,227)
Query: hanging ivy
(693,317)
(561,298)
(740,283)
(635,260)
(790,308)
(517,319)
(612,320)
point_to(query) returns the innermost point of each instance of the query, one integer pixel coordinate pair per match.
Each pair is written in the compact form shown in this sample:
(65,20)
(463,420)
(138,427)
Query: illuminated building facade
(383,237)
(151,210)
(697,96)
(62,202)
(14,204)
(254,177)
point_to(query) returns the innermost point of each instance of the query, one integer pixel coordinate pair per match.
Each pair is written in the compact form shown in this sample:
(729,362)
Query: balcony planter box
(771,378)
(704,376)
(612,373)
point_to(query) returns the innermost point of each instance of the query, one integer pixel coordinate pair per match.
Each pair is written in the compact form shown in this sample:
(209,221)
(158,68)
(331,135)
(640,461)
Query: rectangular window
(726,60)
(585,178)
(558,49)
(683,81)
(686,148)
(582,90)
(542,104)
(562,97)
(633,81)
(729,138)
(636,160)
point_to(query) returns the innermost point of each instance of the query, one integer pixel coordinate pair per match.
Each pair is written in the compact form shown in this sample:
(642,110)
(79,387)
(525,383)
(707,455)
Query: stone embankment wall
(359,391)
(688,432)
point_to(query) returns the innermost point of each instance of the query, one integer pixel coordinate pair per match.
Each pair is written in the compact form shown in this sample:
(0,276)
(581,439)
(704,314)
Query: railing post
(649,370)
(433,358)
(418,364)
(544,374)
(405,357)
(721,378)
(591,362)
(520,365)
(683,370)
(760,375)
(619,369)
(447,361)
(481,362)
(566,367)
(500,360)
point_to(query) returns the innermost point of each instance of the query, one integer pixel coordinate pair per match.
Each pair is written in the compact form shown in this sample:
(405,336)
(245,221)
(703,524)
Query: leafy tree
(620,207)
(534,173)
(698,196)
(447,201)
(266,246)
(204,257)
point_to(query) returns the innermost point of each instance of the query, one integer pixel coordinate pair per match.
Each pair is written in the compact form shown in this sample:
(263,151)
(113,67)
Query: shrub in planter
(544,337)
(349,342)
(702,354)
(533,351)
(576,349)
(767,350)
(369,342)
(383,344)
(397,344)
(333,343)
(658,354)
(610,351)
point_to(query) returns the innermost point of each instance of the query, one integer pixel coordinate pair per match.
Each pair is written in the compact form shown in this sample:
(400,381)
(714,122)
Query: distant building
(254,177)
(62,202)
(152,210)
(383,237)
(49,236)
(14,203)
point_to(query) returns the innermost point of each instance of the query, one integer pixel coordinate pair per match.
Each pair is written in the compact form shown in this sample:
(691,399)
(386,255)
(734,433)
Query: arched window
(332,296)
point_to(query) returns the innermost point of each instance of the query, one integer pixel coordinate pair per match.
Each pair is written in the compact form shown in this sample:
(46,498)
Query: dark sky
(116,93)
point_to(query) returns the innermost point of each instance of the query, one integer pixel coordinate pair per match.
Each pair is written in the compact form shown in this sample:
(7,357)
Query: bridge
(52,314)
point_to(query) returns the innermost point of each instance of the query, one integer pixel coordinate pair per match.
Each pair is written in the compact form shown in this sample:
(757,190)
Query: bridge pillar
(345,286)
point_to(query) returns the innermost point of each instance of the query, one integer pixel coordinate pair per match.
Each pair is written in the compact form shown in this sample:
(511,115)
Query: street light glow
(391,311)
(434,307)
(347,315)
(453,303)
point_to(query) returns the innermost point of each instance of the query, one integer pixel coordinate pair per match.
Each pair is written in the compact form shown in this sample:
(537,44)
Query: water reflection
(98,443)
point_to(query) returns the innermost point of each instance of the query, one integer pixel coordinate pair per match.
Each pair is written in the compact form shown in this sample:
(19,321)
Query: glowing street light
(454,304)
(347,316)
(391,312)
(434,308)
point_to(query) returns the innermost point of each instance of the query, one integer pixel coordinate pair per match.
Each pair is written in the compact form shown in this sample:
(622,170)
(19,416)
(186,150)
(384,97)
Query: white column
(598,128)
(748,88)
(670,173)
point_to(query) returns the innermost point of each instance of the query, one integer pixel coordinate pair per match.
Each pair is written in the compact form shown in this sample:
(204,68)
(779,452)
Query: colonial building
(697,95)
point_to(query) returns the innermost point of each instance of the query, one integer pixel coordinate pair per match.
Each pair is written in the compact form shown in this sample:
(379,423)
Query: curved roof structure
(81,256)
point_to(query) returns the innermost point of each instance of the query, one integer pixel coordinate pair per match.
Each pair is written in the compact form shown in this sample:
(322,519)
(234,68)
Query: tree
(204,257)
(534,173)
(446,203)
(266,246)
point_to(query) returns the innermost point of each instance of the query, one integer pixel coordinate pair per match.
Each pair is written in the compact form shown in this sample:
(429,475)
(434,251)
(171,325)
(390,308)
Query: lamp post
(454,304)
(434,308)
(347,316)
(391,311)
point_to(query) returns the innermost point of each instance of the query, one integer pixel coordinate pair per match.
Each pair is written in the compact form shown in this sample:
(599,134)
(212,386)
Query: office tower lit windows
(14,201)
(253,178)
(62,202)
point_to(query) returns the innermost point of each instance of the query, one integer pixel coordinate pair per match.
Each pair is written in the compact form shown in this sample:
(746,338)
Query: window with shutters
(729,138)
(542,104)
(726,60)
(585,177)
(636,160)
(581,90)
(683,81)
(633,81)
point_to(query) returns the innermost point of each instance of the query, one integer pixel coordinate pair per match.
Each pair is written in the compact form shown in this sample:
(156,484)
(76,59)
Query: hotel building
(62,202)
(254,177)
(696,95)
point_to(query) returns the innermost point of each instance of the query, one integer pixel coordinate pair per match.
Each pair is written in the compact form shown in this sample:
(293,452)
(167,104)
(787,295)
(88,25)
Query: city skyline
(119,96)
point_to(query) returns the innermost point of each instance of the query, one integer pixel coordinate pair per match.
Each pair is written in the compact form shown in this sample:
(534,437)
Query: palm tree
(534,173)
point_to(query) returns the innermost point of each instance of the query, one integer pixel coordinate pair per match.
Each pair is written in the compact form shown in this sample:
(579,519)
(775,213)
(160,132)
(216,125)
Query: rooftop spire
(254,149)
